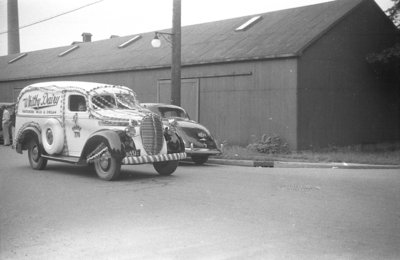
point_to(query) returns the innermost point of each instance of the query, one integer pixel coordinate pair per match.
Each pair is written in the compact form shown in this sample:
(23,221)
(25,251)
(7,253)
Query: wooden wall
(237,101)
(241,102)
(341,101)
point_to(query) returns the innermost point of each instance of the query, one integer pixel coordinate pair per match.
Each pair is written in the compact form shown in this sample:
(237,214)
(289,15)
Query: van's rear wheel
(107,167)
(166,168)
(36,160)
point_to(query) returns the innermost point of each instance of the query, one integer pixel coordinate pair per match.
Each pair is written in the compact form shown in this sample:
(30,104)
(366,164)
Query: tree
(387,62)
(394,13)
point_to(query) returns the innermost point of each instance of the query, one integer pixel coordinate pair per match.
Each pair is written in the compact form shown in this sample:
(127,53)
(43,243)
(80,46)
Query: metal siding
(341,102)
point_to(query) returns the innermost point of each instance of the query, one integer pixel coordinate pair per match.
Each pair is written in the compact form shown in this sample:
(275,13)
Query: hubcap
(105,161)
(49,136)
(35,153)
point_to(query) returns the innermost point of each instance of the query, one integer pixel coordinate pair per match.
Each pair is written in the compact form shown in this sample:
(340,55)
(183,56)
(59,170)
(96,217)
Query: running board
(66,159)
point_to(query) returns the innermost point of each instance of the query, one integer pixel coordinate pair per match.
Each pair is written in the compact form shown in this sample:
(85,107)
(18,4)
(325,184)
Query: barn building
(300,73)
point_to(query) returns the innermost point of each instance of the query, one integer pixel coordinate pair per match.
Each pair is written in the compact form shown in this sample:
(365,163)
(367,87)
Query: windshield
(103,101)
(122,100)
(126,101)
(167,112)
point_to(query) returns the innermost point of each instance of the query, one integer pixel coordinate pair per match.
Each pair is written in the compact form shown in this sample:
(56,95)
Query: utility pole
(13,26)
(176,54)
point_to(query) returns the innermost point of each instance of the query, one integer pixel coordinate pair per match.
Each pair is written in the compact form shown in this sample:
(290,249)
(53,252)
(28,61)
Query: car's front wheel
(107,167)
(36,160)
(199,159)
(166,168)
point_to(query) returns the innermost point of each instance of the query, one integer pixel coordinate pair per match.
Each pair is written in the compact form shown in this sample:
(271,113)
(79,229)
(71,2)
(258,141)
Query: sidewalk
(282,164)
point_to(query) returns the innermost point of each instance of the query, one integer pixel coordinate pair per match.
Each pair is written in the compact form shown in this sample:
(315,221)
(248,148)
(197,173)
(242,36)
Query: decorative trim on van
(96,153)
(153,158)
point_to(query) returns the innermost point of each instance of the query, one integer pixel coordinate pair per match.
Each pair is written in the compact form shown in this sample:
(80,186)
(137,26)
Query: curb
(282,164)
(248,163)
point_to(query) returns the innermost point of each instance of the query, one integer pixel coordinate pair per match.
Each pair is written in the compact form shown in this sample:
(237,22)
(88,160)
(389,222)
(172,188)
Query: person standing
(12,123)
(6,126)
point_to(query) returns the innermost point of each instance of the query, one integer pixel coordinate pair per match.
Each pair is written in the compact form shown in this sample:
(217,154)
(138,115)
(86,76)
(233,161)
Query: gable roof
(277,34)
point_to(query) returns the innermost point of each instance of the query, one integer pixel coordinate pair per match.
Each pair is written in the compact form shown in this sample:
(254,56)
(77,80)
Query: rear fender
(25,134)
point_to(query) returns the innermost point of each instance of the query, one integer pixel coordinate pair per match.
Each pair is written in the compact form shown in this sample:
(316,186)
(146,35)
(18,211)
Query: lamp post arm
(167,36)
(161,33)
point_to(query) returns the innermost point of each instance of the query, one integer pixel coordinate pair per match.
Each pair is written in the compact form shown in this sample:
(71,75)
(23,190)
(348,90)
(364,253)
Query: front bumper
(153,158)
(202,151)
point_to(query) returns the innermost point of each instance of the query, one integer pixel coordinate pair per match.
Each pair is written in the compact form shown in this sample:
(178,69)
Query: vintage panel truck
(95,124)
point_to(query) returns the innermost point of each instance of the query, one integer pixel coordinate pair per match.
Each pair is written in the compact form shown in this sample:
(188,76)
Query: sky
(123,17)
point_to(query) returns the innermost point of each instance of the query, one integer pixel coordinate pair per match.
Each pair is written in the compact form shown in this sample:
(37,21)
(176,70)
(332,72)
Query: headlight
(130,131)
(133,122)
(169,130)
(172,122)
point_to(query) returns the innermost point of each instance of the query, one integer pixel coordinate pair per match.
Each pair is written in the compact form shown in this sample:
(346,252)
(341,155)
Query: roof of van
(82,85)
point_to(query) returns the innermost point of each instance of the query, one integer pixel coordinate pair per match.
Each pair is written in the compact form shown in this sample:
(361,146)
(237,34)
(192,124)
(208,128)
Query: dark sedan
(199,143)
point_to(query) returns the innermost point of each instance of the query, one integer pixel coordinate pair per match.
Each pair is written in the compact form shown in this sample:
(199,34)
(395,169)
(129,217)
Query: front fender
(109,137)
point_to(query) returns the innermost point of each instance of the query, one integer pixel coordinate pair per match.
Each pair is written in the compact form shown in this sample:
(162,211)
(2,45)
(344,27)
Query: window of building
(248,24)
(68,51)
(17,58)
(130,41)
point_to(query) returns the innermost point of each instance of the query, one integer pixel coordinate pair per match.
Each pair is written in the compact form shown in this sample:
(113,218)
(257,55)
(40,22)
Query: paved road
(208,212)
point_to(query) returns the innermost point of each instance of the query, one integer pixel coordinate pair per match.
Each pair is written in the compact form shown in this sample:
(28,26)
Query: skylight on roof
(68,51)
(18,57)
(249,23)
(130,41)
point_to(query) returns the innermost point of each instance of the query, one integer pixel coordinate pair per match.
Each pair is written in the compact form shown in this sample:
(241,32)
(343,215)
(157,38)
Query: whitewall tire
(53,136)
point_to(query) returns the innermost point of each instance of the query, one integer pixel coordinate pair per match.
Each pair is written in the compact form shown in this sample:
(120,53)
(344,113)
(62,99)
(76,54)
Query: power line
(58,15)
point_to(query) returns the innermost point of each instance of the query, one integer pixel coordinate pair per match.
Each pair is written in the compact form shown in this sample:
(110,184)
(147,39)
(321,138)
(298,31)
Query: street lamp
(156,42)
(176,51)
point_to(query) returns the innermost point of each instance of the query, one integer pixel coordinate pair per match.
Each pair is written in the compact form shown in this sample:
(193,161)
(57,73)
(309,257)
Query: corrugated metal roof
(282,33)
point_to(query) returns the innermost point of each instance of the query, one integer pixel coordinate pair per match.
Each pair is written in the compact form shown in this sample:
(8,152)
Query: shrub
(270,144)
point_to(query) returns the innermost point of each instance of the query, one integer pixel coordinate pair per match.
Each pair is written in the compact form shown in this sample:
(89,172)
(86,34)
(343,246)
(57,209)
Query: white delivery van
(93,123)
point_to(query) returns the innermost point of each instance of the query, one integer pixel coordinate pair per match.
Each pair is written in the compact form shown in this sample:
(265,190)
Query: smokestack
(13,26)
(86,37)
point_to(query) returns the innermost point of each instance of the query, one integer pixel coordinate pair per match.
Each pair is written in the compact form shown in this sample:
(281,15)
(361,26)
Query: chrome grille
(151,132)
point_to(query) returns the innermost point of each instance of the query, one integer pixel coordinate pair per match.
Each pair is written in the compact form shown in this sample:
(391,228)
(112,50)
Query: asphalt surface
(207,212)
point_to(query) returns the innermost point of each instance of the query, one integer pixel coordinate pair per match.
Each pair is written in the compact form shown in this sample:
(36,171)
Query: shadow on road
(190,163)
(128,173)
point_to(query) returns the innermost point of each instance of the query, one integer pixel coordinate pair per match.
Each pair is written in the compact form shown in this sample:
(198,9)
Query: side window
(77,103)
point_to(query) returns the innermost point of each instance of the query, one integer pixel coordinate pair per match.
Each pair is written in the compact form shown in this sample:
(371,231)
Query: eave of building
(156,67)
